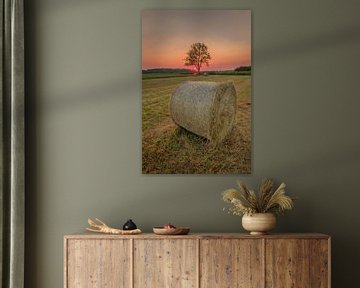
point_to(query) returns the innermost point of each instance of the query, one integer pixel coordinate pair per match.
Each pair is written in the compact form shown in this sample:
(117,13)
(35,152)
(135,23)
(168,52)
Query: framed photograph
(196,92)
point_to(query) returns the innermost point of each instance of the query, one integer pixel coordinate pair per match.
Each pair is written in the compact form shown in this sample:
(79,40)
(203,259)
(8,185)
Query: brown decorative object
(259,223)
(101,227)
(171,231)
(197,260)
(258,209)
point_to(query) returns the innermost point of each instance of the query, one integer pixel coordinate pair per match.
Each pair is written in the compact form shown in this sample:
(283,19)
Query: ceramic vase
(259,223)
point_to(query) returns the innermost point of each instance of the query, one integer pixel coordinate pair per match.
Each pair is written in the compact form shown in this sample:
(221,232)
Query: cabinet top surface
(87,235)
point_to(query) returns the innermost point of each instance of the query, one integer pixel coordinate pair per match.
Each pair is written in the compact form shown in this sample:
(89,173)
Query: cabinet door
(231,263)
(165,263)
(320,263)
(98,263)
(287,263)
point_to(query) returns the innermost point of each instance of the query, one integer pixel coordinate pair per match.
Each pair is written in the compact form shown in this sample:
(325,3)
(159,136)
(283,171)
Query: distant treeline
(167,70)
(173,72)
(188,71)
(243,68)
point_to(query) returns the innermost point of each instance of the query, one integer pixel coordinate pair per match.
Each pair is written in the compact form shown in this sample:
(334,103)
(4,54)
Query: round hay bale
(205,108)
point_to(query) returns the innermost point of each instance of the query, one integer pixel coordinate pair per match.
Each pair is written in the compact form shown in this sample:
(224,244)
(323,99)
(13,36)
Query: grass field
(162,75)
(169,149)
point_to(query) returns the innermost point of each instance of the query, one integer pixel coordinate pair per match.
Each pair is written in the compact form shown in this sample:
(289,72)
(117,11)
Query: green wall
(84,121)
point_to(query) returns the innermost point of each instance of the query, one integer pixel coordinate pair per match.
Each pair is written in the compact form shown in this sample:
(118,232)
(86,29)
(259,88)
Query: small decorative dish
(171,231)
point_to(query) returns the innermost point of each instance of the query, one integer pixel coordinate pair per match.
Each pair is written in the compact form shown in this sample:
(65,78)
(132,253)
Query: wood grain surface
(165,263)
(231,263)
(287,263)
(98,264)
(319,263)
(89,235)
(197,260)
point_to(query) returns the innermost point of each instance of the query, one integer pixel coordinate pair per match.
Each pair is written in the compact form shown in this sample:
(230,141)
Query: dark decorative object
(100,227)
(129,225)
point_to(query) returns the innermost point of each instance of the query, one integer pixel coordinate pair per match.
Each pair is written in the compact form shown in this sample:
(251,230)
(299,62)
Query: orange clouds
(227,33)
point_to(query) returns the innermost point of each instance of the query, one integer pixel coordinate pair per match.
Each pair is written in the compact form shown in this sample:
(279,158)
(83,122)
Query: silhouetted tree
(197,56)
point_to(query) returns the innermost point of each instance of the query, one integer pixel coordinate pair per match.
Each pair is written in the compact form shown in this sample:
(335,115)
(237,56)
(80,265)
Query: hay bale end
(205,108)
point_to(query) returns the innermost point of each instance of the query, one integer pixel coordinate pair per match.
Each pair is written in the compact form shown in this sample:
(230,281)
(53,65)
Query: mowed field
(169,149)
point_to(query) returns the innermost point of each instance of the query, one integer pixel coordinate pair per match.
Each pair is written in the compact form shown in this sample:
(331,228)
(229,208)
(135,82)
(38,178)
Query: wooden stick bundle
(101,227)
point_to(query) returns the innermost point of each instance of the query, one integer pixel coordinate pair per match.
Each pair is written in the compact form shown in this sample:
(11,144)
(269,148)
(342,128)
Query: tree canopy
(197,56)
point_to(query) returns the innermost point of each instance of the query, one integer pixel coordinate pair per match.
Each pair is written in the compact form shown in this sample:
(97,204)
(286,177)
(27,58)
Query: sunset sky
(168,34)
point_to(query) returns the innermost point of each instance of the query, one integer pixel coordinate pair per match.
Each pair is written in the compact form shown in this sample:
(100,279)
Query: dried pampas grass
(205,108)
(246,202)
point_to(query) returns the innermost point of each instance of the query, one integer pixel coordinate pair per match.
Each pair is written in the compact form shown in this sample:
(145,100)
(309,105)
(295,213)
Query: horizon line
(184,68)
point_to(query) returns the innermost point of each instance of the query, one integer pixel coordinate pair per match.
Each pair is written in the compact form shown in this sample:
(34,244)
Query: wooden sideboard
(197,260)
